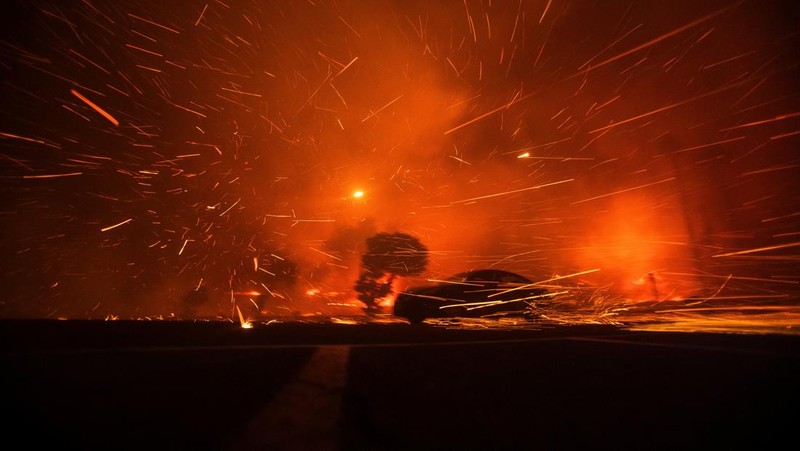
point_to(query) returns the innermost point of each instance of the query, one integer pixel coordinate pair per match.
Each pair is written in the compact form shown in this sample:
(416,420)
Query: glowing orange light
(245,324)
(358,194)
(344,321)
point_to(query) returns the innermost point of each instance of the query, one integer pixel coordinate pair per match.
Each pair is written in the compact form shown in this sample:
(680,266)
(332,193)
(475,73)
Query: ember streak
(245,150)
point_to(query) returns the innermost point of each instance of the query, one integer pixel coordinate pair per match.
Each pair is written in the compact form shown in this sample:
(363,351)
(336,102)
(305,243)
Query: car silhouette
(472,294)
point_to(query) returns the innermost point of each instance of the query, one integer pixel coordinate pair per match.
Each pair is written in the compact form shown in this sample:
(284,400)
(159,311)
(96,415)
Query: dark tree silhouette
(387,256)
(193,300)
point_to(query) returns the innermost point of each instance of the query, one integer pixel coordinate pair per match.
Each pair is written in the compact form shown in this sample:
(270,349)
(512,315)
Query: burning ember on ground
(230,159)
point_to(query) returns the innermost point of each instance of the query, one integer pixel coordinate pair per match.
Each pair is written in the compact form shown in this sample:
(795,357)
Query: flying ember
(248,160)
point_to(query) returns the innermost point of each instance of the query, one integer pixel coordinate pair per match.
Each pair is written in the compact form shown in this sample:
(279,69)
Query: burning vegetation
(387,256)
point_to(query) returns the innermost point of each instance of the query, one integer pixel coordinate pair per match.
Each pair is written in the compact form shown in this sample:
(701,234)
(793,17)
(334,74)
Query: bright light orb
(358,194)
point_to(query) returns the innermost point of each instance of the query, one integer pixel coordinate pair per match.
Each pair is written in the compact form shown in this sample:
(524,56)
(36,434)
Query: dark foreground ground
(175,385)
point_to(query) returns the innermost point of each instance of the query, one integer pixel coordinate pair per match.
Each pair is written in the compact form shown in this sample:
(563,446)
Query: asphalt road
(171,385)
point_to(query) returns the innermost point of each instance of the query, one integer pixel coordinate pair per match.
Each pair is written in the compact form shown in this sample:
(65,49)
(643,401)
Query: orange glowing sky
(151,148)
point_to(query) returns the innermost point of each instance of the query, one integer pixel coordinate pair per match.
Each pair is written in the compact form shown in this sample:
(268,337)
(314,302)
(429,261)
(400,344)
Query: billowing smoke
(164,158)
